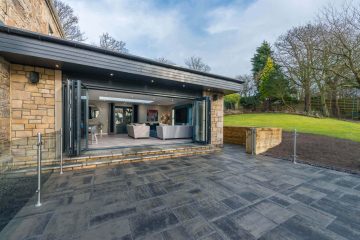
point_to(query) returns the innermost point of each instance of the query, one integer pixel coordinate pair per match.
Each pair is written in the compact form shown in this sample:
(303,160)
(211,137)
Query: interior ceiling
(162,101)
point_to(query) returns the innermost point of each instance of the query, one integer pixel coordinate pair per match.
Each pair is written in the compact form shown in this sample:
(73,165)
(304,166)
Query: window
(51,32)
(183,115)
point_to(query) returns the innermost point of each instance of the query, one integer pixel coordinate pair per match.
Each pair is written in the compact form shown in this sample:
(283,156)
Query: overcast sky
(224,33)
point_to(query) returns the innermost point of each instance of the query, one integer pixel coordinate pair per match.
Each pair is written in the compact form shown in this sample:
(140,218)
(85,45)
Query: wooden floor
(123,140)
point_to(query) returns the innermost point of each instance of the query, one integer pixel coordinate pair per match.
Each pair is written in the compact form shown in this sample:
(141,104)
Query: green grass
(288,122)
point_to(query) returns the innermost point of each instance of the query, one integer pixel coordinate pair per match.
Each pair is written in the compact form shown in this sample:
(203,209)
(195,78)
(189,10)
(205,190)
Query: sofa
(174,132)
(138,131)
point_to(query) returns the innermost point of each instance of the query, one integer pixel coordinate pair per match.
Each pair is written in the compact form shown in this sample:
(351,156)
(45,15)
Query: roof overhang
(31,48)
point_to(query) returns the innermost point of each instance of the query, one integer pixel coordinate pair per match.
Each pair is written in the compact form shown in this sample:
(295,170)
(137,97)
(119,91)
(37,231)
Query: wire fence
(323,151)
(344,108)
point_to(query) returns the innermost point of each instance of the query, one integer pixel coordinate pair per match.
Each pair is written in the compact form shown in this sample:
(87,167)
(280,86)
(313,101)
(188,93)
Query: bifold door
(75,121)
(201,120)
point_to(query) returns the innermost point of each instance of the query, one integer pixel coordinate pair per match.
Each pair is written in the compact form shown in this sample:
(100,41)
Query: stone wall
(265,138)
(235,135)
(32,105)
(33,15)
(217,117)
(4,101)
(32,111)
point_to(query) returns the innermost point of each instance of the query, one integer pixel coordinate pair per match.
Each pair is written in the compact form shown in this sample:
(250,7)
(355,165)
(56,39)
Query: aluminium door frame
(72,113)
(207,119)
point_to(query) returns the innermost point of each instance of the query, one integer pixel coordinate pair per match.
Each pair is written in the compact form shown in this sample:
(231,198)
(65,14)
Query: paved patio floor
(229,195)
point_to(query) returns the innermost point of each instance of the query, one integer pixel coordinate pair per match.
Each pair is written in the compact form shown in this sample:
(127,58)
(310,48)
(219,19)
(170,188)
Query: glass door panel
(123,117)
(75,117)
(84,119)
(201,120)
(119,119)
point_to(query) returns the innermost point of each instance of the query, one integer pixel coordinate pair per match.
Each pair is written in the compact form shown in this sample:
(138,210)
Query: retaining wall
(264,138)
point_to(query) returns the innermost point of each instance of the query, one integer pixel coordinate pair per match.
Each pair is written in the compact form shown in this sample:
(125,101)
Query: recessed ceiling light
(125,100)
(183,85)
(209,89)
(111,74)
(57,65)
(152,81)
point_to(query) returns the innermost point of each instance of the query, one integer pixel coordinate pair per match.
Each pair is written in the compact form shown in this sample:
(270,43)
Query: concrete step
(94,162)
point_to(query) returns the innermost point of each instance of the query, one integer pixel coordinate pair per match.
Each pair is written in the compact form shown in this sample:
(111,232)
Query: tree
(343,31)
(69,22)
(296,56)
(164,60)
(248,88)
(232,100)
(259,60)
(110,43)
(196,63)
(273,84)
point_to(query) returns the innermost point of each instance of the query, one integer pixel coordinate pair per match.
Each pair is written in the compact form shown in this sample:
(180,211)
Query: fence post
(294,156)
(38,191)
(61,151)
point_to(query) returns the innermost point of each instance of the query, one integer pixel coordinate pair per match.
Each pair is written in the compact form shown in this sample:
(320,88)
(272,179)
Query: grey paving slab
(198,227)
(234,202)
(145,224)
(252,221)
(230,230)
(178,233)
(229,195)
(186,212)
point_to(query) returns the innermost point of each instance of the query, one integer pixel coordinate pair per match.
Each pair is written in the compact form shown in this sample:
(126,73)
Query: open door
(75,121)
(201,120)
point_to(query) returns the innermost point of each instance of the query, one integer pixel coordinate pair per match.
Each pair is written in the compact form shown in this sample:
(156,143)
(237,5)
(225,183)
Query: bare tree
(196,63)
(110,43)
(295,54)
(343,37)
(249,87)
(164,60)
(69,22)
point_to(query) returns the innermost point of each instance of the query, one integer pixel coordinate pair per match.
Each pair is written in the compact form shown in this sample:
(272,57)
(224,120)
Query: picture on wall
(152,115)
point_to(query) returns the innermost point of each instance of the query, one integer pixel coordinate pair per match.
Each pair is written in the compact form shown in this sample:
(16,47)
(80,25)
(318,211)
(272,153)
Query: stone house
(48,83)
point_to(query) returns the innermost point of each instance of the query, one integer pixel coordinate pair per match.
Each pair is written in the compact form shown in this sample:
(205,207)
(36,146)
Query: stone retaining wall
(265,138)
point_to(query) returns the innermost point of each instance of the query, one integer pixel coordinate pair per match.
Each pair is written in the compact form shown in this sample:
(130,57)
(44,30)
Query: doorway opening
(96,119)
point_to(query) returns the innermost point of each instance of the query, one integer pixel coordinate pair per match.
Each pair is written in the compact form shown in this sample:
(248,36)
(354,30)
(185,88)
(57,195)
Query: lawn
(327,126)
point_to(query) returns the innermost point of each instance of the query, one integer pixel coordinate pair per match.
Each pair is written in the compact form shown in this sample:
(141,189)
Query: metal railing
(38,191)
(26,163)
(295,145)
(61,151)
(337,151)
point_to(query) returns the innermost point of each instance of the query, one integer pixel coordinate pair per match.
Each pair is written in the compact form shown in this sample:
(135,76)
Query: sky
(224,33)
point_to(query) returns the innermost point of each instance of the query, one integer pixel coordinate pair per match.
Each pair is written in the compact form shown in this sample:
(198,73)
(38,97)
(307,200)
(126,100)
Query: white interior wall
(103,117)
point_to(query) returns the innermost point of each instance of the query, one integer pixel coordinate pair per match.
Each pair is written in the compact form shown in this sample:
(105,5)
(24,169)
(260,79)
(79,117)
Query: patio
(229,195)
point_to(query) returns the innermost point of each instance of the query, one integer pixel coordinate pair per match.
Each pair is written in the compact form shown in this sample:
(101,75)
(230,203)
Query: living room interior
(120,119)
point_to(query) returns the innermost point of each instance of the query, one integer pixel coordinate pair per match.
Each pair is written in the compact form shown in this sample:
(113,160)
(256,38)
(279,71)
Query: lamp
(34,77)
